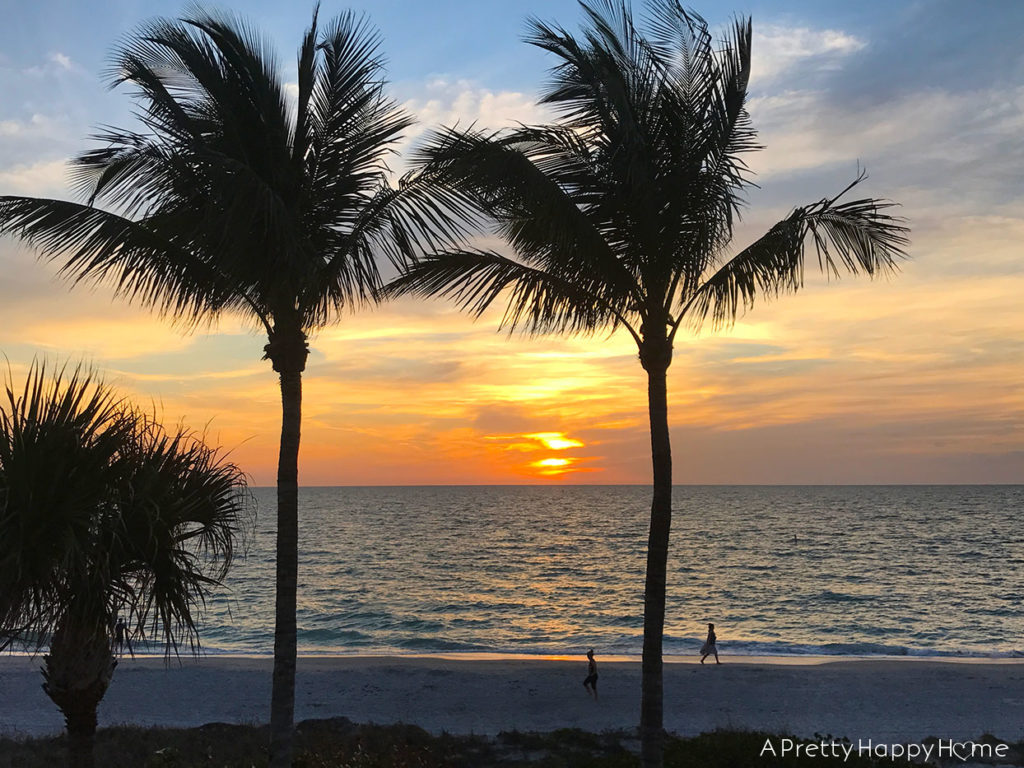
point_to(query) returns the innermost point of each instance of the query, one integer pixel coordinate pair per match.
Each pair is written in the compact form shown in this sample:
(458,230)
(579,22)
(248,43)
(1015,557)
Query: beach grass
(340,743)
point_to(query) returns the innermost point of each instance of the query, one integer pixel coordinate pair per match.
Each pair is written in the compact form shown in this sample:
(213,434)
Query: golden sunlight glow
(556,441)
(553,467)
(548,463)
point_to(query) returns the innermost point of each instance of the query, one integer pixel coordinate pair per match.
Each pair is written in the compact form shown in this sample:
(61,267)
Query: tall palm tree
(103,511)
(621,215)
(234,197)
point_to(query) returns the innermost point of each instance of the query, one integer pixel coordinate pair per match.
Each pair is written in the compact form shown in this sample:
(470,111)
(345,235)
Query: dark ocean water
(929,570)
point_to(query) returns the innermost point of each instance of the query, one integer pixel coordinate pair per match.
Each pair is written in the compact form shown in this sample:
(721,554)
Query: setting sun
(552,463)
(552,467)
(556,441)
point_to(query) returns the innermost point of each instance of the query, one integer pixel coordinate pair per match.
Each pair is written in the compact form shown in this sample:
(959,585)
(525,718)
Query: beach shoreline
(900,699)
(739,658)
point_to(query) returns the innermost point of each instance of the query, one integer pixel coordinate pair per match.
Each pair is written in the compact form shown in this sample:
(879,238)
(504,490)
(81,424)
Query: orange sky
(911,380)
(916,379)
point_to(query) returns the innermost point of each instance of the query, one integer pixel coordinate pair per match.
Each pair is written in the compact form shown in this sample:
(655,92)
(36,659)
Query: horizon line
(648,485)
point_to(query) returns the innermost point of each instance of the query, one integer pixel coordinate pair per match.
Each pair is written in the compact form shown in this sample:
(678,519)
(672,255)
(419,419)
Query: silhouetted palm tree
(237,197)
(621,214)
(102,511)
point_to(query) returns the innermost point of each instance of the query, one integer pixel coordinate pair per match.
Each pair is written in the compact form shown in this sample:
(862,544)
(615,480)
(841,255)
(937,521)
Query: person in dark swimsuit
(590,683)
(710,646)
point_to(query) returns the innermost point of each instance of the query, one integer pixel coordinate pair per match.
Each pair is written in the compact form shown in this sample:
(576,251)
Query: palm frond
(702,130)
(103,510)
(605,88)
(537,302)
(302,135)
(538,186)
(142,261)
(58,434)
(248,63)
(181,509)
(354,125)
(396,224)
(853,237)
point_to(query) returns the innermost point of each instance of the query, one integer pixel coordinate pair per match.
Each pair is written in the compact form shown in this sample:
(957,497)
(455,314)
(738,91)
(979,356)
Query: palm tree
(621,214)
(102,510)
(236,198)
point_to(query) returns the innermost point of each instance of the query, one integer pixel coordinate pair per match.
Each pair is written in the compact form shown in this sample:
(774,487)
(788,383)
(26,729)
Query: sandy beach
(883,699)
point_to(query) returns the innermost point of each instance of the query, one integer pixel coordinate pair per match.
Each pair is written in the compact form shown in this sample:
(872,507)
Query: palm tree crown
(621,215)
(622,212)
(235,195)
(103,509)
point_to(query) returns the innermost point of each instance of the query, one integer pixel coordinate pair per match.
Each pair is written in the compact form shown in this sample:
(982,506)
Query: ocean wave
(427,646)
(829,596)
(331,637)
(673,649)
(766,648)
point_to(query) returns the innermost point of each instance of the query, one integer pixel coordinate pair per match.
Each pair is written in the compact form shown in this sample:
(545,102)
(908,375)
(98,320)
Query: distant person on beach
(710,647)
(590,683)
(121,637)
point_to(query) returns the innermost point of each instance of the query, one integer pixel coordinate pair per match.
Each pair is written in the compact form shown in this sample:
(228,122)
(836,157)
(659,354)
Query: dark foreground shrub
(339,743)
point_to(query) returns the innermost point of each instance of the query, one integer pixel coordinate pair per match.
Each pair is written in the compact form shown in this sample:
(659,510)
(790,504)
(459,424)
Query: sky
(917,378)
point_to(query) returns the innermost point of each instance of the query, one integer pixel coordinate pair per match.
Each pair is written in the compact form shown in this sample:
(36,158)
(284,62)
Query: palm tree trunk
(76,674)
(652,734)
(81,726)
(282,706)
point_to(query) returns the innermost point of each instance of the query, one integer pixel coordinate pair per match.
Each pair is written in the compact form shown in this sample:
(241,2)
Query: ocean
(845,570)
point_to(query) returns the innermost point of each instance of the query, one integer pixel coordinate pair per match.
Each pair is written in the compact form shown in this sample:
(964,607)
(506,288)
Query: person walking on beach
(710,646)
(590,682)
(121,638)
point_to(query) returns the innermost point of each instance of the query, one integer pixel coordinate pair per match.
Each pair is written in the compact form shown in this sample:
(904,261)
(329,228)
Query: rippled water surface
(847,570)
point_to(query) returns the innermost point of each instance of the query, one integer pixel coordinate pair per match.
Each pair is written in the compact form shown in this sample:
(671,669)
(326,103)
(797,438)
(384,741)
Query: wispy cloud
(780,49)
(449,102)
(43,179)
(61,60)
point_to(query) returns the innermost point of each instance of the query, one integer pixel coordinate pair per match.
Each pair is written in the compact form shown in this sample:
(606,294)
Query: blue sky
(918,379)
